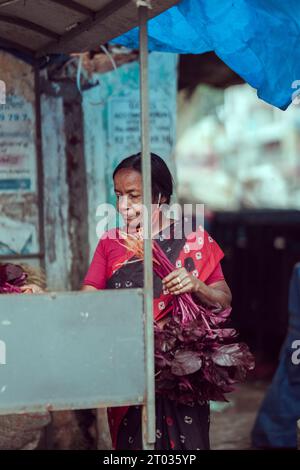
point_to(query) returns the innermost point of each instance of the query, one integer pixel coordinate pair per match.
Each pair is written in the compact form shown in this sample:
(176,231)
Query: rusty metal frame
(92,19)
(9,44)
(97,17)
(78,7)
(15,20)
(88,20)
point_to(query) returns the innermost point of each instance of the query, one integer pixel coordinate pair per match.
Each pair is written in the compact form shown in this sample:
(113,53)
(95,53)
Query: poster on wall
(17,237)
(123,112)
(19,199)
(17,145)
(112,125)
(124,132)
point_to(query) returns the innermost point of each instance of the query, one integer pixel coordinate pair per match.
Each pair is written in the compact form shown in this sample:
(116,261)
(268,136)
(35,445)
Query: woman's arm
(214,295)
(87,288)
(180,281)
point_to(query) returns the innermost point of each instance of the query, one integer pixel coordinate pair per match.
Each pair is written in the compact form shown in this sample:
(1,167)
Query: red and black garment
(115,267)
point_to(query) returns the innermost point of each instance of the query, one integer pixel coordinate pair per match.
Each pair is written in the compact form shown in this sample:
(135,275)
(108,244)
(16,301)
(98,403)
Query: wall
(112,127)
(19,204)
(84,134)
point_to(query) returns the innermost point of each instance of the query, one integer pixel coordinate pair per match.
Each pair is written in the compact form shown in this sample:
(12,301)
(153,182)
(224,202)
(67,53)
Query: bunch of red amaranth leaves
(12,277)
(196,359)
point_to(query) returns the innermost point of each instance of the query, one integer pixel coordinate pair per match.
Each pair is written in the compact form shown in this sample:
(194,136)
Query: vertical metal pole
(148,415)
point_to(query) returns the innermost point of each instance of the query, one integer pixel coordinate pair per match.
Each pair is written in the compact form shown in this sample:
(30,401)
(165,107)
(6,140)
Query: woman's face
(128,189)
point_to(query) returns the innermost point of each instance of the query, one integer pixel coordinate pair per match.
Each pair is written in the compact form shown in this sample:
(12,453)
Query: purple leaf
(185,363)
(237,354)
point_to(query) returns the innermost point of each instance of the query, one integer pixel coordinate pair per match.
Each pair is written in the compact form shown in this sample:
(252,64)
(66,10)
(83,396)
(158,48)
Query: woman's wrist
(200,291)
(199,287)
(205,294)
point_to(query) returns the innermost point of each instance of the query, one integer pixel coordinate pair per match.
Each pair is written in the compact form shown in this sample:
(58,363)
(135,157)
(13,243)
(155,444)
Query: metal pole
(148,415)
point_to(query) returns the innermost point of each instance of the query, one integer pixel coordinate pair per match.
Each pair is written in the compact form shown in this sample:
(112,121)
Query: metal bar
(74,6)
(9,44)
(29,25)
(97,17)
(20,256)
(8,2)
(148,415)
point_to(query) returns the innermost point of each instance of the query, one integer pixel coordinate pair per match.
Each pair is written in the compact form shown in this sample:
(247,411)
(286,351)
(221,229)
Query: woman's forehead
(127,179)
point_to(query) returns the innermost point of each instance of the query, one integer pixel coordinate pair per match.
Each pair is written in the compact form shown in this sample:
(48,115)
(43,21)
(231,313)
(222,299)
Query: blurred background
(240,157)
(66,123)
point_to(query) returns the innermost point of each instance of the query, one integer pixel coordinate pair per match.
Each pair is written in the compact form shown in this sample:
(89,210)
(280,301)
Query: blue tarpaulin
(258,39)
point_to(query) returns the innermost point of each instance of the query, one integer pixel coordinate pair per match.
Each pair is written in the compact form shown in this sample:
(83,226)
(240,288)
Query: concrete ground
(231,423)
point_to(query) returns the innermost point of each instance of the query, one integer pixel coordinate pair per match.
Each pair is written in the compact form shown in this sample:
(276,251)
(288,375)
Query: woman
(198,271)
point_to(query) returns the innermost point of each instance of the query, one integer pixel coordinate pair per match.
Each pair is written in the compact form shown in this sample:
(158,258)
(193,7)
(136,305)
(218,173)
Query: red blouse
(110,252)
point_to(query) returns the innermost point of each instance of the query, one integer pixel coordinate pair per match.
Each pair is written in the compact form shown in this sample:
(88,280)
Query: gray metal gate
(73,351)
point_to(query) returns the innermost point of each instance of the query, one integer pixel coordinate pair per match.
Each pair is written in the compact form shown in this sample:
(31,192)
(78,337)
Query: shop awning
(40,27)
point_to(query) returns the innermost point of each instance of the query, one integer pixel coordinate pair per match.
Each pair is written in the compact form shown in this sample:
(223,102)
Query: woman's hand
(31,289)
(215,295)
(180,281)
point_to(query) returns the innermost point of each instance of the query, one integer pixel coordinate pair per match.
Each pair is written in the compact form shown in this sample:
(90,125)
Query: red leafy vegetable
(195,360)
(186,362)
(12,277)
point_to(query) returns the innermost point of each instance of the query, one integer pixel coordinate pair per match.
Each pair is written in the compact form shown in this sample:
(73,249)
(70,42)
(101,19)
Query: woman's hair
(162,181)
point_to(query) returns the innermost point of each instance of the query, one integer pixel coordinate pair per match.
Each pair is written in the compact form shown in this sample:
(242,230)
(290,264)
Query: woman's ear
(159,200)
